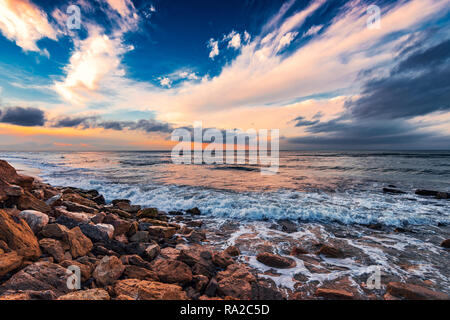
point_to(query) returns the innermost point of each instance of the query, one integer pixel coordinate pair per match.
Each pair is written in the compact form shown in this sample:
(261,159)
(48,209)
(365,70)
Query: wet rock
(222,259)
(35,219)
(39,276)
(266,289)
(196,236)
(50,202)
(331,252)
(147,213)
(334,294)
(232,251)
(236,281)
(148,290)
(275,261)
(414,292)
(80,245)
(298,251)
(9,262)
(393,191)
(100,200)
(194,211)
(109,269)
(18,236)
(121,226)
(76,207)
(446,243)
(126,206)
(91,294)
(52,247)
(287,226)
(173,271)
(135,272)
(76,198)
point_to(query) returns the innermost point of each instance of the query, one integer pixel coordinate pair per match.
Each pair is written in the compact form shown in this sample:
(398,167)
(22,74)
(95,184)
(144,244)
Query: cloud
(286,40)
(302,122)
(129,18)
(234,40)
(165,82)
(25,24)
(27,117)
(214,46)
(312,31)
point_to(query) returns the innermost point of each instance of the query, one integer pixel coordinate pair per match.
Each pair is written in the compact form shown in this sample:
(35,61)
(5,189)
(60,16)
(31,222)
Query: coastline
(125,251)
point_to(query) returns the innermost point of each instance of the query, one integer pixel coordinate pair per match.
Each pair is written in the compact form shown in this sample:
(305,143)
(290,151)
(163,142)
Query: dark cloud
(27,117)
(301,122)
(68,122)
(418,85)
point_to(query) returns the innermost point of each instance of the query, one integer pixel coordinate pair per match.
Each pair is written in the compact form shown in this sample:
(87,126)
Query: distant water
(343,187)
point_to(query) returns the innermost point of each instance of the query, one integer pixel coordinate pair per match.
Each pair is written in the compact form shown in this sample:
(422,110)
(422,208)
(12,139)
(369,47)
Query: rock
(140,236)
(55,231)
(121,226)
(147,213)
(135,272)
(7,190)
(53,200)
(18,236)
(9,262)
(148,290)
(28,295)
(76,207)
(29,202)
(298,251)
(52,247)
(393,191)
(116,201)
(222,259)
(211,288)
(334,294)
(85,269)
(135,260)
(98,218)
(173,271)
(100,200)
(196,236)
(68,221)
(78,217)
(422,192)
(200,282)
(287,226)
(91,294)
(80,245)
(152,251)
(98,232)
(236,281)
(108,270)
(125,206)
(331,252)
(446,243)
(39,276)
(233,251)
(443,195)
(35,219)
(76,198)
(266,289)
(275,261)
(157,232)
(194,211)
(414,292)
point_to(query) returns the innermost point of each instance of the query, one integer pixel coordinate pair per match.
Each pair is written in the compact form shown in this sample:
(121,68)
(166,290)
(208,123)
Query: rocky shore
(125,252)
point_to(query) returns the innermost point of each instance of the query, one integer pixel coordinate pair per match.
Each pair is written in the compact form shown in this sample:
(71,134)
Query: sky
(328,74)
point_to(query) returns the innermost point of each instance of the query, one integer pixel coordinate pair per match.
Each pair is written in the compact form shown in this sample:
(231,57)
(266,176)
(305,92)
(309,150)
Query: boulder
(232,251)
(76,207)
(28,295)
(77,198)
(91,294)
(172,271)
(16,233)
(79,244)
(35,219)
(108,270)
(140,236)
(135,260)
(39,276)
(222,259)
(98,218)
(446,243)
(121,226)
(194,211)
(29,202)
(7,190)
(52,247)
(275,261)
(158,232)
(236,281)
(85,269)
(147,213)
(148,290)
(135,272)
(334,294)
(152,251)
(414,292)
(78,217)
(9,262)
(331,252)
(98,232)
(55,231)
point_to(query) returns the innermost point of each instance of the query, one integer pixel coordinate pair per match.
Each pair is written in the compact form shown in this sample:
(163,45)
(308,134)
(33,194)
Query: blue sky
(136,70)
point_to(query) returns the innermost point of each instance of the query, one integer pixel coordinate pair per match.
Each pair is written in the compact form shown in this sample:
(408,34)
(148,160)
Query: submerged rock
(414,292)
(275,261)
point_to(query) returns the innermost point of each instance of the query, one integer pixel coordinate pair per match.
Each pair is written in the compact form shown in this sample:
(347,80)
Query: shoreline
(127,252)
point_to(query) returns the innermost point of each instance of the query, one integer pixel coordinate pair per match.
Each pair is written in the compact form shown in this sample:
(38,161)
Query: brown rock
(77,216)
(196,236)
(18,236)
(9,262)
(135,272)
(331,252)
(7,190)
(80,245)
(152,251)
(76,207)
(334,294)
(121,226)
(91,294)
(56,231)
(98,218)
(147,213)
(222,259)
(157,232)
(76,198)
(135,260)
(236,281)
(275,261)
(414,292)
(298,251)
(38,276)
(173,271)
(233,251)
(52,247)
(29,202)
(446,243)
(108,270)
(85,269)
(35,219)
(148,290)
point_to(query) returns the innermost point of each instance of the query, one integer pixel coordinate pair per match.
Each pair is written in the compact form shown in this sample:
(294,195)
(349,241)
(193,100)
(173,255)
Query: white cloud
(286,40)
(312,31)
(214,46)
(25,24)
(234,40)
(165,82)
